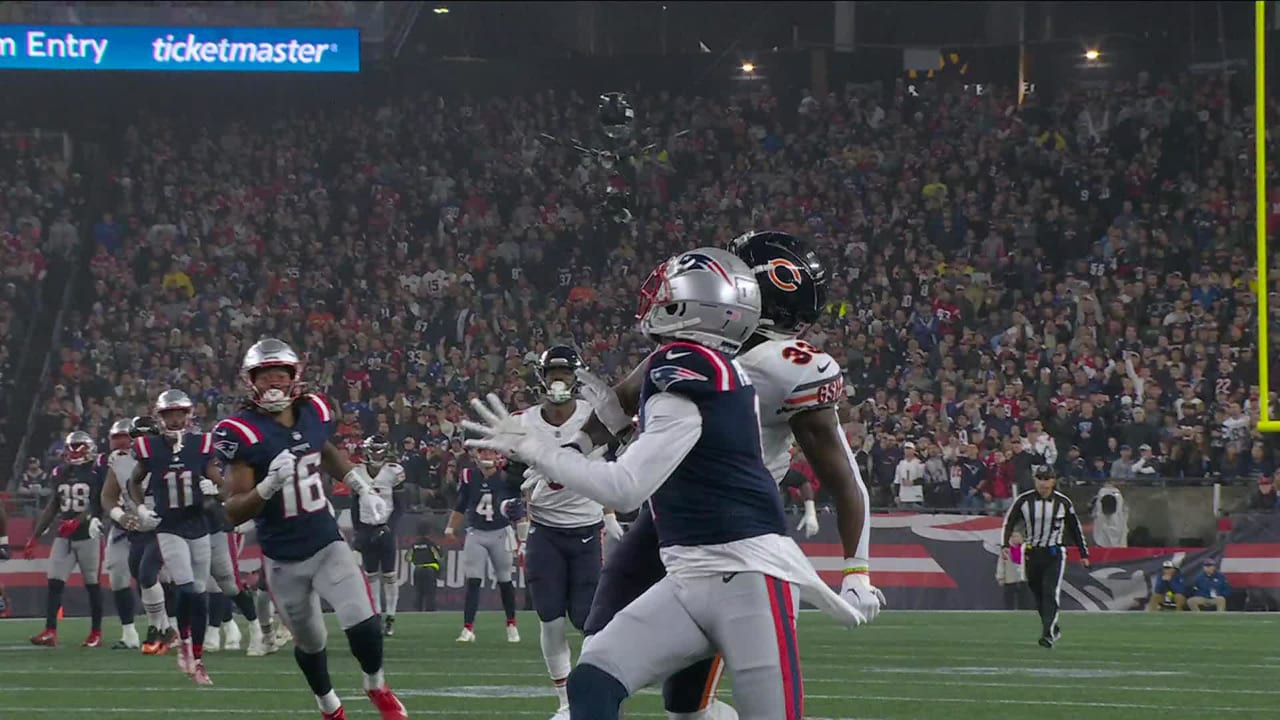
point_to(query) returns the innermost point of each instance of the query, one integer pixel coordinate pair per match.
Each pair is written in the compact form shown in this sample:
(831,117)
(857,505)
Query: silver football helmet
(167,407)
(272,353)
(119,437)
(706,296)
(78,448)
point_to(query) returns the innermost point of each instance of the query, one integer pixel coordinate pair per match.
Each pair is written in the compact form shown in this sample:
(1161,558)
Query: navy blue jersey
(175,481)
(479,498)
(722,491)
(77,490)
(297,521)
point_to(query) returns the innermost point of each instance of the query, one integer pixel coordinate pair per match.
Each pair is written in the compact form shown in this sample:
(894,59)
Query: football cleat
(338,714)
(122,645)
(199,674)
(47,638)
(230,636)
(1046,641)
(389,626)
(154,642)
(513,635)
(213,639)
(171,639)
(94,640)
(388,704)
(466,636)
(283,637)
(186,661)
(257,642)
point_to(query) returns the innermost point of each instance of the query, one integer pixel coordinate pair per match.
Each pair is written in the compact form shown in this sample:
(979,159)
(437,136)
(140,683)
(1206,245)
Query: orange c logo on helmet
(786,282)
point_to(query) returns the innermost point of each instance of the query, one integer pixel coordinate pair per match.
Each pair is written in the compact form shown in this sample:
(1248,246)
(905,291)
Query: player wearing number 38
(276,449)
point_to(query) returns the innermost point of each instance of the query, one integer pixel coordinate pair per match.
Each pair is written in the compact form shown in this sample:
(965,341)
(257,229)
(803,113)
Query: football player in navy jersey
(74,505)
(485,500)
(180,465)
(733,574)
(276,450)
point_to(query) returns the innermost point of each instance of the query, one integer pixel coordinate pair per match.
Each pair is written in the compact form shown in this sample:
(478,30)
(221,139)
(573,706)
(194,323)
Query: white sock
(375,589)
(266,611)
(374,681)
(390,594)
(173,622)
(553,637)
(129,634)
(153,605)
(329,702)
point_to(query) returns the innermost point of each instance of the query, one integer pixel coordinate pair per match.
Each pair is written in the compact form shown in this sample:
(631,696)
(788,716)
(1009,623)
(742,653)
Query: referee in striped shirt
(1046,515)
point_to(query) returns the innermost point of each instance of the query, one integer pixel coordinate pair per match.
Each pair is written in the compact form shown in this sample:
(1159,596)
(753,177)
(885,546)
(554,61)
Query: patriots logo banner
(698,262)
(668,375)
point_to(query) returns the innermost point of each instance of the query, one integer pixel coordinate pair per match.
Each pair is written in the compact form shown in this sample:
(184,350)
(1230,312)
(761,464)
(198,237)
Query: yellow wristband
(857,571)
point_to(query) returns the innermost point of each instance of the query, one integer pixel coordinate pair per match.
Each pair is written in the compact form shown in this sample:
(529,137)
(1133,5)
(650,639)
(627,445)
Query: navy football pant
(562,568)
(632,567)
(747,617)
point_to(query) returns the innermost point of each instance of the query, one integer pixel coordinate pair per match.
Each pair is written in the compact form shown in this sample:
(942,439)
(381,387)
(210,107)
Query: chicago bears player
(490,539)
(75,506)
(798,387)
(180,465)
(376,541)
(276,449)
(119,460)
(562,540)
(733,574)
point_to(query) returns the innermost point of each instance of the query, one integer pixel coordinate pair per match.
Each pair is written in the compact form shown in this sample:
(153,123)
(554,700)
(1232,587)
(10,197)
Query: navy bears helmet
(791,277)
(559,390)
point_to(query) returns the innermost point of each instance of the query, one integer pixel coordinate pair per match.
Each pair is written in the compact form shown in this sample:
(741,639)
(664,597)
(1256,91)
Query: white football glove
(531,477)
(603,400)
(208,488)
(809,523)
(373,509)
(612,528)
(95,528)
(282,470)
(857,590)
(500,431)
(147,519)
(245,527)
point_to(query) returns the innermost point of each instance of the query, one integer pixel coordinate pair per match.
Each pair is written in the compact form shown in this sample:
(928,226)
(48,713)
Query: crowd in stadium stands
(1068,284)
(37,196)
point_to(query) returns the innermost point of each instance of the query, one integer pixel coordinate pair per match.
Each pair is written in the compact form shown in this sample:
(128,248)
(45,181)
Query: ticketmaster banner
(179,49)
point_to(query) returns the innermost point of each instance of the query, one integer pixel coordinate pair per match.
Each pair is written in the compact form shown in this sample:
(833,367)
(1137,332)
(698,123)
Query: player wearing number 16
(180,464)
(276,448)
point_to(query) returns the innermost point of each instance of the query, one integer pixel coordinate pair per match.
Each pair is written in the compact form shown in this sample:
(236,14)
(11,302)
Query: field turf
(906,666)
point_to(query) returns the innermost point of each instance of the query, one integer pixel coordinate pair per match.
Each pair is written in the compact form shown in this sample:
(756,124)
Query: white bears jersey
(386,481)
(549,503)
(122,463)
(789,376)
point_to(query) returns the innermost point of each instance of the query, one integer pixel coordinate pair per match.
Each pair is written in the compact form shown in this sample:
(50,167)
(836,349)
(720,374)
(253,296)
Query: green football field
(906,666)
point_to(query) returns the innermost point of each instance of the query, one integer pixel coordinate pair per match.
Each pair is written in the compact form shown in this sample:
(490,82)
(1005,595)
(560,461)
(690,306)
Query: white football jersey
(789,376)
(387,480)
(550,504)
(122,463)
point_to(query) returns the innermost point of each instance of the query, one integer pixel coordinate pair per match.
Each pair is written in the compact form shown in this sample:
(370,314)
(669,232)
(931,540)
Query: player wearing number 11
(276,448)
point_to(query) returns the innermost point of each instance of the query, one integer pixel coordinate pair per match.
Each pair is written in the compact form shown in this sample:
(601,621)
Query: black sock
(366,644)
(214,603)
(170,600)
(471,603)
(508,592)
(315,668)
(124,605)
(244,601)
(182,610)
(95,606)
(199,621)
(52,602)
(594,694)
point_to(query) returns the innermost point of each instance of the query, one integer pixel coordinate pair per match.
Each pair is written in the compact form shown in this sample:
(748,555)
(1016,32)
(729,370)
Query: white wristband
(265,490)
(810,508)
(355,480)
(117,514)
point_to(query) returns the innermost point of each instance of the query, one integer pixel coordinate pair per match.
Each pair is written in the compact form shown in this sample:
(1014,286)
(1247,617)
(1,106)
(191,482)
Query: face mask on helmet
(274,391)
(559,392)
(487,459)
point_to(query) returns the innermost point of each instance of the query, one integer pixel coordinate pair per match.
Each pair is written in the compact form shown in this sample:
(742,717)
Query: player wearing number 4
(276,449)
(180,464)
(485,499)
(74,505)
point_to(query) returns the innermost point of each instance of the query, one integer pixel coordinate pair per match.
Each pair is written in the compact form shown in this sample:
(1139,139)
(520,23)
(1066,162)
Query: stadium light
(441,11)
(1092,54)
(748,67)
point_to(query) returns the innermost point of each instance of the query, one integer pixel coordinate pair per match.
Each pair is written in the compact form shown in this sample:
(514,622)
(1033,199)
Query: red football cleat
(338,714)
(388,704)
(47,638)
(186,661)
(94,639)
(199,674)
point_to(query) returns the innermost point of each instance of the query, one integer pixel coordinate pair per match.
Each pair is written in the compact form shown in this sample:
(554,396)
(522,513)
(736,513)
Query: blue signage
(179,49)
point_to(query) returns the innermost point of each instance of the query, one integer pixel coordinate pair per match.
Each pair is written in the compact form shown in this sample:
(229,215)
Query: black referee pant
(1044,577)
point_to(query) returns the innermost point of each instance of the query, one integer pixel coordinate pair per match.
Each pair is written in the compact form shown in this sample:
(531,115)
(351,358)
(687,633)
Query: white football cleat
(466,636)
(230,636)
(213,639)
(283,637)
(513,635)
(257,643)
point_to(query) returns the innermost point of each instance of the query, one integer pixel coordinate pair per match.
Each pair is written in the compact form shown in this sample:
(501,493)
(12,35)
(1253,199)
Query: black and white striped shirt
(1045,520)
